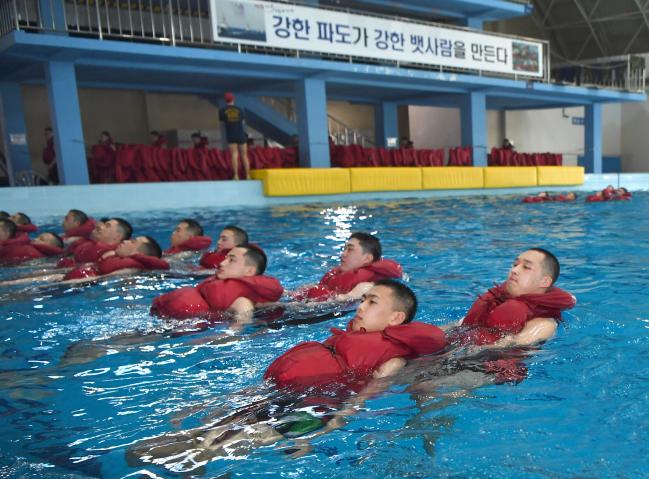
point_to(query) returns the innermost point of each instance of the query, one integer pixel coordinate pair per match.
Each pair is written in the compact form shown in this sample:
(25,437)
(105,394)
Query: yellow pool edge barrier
(330,181)
(385,179)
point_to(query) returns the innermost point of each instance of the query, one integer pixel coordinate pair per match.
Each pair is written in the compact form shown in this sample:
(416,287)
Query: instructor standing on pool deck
(232,117)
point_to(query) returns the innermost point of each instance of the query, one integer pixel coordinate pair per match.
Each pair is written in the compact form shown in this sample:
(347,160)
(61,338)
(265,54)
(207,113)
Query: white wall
(553,131)
(635,137)
(433,127)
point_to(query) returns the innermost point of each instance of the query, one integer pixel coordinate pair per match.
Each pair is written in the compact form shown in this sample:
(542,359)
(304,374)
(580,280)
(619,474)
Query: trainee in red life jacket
(116,263)
(195,243)
(495,313)
(212,259)
(83,230)
(23,252)
(352,355)
(214,296)
(337,281)
(535,199)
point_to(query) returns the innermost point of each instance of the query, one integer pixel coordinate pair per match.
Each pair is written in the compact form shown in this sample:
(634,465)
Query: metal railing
(167,21)
(341,133)
(625,72)
(174,22)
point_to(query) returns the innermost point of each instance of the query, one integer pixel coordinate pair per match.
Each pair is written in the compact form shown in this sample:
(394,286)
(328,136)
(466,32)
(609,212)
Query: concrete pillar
(473,113)
(386,123)
(593,138)
(14,130)
(66,122)
(312,129)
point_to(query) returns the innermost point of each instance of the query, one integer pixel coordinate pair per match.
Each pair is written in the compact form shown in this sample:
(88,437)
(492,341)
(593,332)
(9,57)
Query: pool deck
(132,197)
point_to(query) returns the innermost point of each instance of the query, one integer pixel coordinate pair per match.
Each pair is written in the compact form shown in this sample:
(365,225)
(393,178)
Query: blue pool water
(580,412)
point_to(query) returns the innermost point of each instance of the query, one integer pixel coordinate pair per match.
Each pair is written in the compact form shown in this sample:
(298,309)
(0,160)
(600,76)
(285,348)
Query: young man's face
(234,265)
(180,234)
(527,276)
(376,311)
(353,256)
(70,222)
(108,232)
(18,219)
(4,234)
(226,240)
(130,246)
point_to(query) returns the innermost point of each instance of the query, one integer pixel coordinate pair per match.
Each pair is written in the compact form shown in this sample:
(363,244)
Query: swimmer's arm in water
(389,368)
(356,293)
(535,331)
(119,272)
(49,278)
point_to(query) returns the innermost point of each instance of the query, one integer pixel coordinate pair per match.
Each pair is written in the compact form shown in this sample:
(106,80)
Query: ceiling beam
(593,33)
(637,33)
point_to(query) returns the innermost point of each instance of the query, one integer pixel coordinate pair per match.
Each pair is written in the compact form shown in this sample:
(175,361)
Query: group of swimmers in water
(522,311)
(610,193)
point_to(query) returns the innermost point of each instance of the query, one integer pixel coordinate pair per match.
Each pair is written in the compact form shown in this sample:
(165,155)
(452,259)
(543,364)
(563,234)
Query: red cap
(228,97)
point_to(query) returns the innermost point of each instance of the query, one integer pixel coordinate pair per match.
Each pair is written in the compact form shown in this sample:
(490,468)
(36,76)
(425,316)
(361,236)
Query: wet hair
(369,243)
(22,219)
(403,297)
(150,248)
(106,133)
(550,263)
(8,226)
(4,214)
(57,239)
(240,235)
(78,216)
(124,227)
(196,135)
(255,256)
(193,226)
(623,189)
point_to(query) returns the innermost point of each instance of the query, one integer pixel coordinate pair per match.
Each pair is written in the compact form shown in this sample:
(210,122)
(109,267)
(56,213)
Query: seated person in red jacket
(188,237)
(375,344)
(360,266)
(106,236)
(77,225)
(45,245)
(522,311)
(158,140)
(230,237)
(239,286)
(23,223)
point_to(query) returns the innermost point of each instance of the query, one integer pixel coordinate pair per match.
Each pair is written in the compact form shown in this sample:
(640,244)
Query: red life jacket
(595,198)
(495,313)
(352,355)
(535,199)
(16,240)
(23,252)
(561,198)
(195,243)
(26,229)
(92,251)
(116,263)
(83,230)
(337,281)
(213,259)
(214,295)
(49,156)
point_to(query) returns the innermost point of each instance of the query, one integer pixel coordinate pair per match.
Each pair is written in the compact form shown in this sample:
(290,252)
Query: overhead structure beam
(593,33)
(637,33)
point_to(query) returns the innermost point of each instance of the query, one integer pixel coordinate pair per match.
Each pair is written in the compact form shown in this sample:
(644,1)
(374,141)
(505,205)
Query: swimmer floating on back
(375,344)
